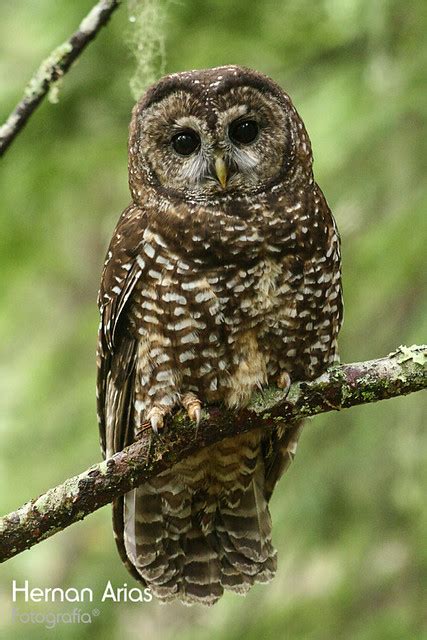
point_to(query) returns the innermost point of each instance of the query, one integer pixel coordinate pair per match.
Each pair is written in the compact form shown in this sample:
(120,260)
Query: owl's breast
(222,329)
(257,296)
(289,310)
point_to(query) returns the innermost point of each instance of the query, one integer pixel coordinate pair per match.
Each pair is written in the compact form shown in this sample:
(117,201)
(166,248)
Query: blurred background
(350,518)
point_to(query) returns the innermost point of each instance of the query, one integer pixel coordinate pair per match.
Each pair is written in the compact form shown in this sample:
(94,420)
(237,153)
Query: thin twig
(402,372)
(54,68)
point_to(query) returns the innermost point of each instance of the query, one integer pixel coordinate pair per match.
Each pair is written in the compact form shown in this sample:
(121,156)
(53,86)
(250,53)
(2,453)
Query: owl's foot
(155,417)
(193,406)
(284,381)
(190,402)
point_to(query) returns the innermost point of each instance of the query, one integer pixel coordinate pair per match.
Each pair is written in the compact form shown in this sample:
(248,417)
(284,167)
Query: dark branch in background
(54,68)
(402,372)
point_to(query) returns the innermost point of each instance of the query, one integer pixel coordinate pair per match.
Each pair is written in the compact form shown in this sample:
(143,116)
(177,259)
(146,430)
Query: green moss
(369,396)
(269,397)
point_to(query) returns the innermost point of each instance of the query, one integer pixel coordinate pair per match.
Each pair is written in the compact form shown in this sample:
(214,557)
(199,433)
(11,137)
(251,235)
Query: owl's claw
(193,406)
(156,424)
(155,417)
(196,414)
(284,381)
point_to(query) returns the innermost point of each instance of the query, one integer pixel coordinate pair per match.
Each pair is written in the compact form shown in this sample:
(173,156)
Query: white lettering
(51,594)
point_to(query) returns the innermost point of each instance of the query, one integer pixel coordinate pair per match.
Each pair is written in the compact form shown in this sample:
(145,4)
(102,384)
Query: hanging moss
(147,41)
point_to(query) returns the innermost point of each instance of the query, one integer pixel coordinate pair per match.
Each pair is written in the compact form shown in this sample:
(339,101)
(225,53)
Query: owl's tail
(205,527)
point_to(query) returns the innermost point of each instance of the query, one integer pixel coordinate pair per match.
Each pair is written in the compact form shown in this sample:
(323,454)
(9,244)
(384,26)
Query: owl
(223,276)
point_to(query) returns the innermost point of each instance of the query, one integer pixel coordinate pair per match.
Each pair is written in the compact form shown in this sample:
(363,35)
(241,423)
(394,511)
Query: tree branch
(403,371)
(53,68)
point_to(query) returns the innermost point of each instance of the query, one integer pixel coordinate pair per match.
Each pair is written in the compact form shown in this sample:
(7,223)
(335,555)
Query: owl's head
(215,133)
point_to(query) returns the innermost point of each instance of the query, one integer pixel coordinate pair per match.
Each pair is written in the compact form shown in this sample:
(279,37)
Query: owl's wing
(116,353)
(116,346)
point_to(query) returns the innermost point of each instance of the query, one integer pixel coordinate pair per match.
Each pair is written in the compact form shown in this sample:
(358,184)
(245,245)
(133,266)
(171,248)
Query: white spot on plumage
(162,260)
(149,250)
(159,240)
(190,338)
(186,355)
(171,296)
(163,357)
(203,296)
(232,283)
(168,400)
(139,406)
(179,311)
(189,286)
(149,293)
(205,368)
(179,326)
(165,376)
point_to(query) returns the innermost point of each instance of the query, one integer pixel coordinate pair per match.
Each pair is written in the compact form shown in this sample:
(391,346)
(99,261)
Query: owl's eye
(243,131)
(186,142)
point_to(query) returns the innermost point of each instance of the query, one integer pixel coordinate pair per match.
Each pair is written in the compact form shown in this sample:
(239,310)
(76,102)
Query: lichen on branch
(53,68)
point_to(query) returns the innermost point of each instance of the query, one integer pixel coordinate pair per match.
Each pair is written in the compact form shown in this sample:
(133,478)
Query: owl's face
(213,133)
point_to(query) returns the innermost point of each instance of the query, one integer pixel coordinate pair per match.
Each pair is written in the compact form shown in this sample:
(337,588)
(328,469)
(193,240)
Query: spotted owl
(223,276)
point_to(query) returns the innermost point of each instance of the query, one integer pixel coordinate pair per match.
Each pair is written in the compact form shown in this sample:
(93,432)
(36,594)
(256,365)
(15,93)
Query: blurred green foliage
(350,518)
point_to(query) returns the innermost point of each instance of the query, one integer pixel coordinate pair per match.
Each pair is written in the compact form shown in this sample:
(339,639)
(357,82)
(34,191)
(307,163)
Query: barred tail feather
(247,555)
(201,577)
(190,535)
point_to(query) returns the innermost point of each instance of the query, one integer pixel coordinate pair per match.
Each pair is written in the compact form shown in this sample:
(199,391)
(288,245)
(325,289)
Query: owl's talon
(193,407)
(196,414)
(155,418)
(284,381)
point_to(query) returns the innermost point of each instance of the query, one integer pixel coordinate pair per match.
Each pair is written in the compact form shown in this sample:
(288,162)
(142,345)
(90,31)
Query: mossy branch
(53,68)
(401,372)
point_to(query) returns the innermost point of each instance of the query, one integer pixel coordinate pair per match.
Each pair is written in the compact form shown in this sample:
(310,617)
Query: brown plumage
(222,276)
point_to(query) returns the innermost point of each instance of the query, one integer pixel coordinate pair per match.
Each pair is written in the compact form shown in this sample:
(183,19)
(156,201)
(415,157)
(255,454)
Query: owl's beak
(221,170)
